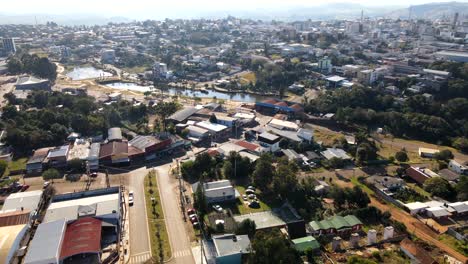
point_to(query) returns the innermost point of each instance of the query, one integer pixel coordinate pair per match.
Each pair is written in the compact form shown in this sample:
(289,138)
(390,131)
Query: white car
(130,198)
(218,208)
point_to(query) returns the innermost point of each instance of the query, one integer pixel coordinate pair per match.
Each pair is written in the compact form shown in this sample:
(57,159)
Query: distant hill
(431,11)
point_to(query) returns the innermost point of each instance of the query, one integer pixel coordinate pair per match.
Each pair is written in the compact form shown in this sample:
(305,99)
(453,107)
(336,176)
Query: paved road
(139,237)
(178,236)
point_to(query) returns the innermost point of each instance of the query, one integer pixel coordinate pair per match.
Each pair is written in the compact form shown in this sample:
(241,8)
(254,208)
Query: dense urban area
(235,141)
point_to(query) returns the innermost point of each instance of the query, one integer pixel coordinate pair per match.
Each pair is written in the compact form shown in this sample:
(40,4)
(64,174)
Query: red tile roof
(248,145)
(82,236)
(14,218)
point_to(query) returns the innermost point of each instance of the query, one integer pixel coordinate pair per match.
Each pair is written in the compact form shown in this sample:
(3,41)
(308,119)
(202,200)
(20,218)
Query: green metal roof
(352,220)
(336,222)
(339,222)
(304,243)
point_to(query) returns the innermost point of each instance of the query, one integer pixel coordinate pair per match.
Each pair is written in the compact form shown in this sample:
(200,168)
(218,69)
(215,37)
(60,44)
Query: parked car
(24,188)
(93,175)
(190,211)
(254,204)
(252,196)
(45,185)
(244,197)
(130,198)
(196,225)
(217,208)
(251,188)
(193,219)
(249,191)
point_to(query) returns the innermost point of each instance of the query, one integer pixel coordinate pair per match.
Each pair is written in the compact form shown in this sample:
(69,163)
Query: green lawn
(156,218)
(19,164)
(245,209)
(454,243)
(356,182)
(418,189)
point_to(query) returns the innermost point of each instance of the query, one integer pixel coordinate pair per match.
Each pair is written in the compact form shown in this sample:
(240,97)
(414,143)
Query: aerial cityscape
(226,132)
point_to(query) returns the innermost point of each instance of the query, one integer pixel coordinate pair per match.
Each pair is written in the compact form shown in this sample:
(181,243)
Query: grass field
(356,182)
(454,243)
(245,209)
(326,137)
(248,77)
(139,69)
(156,219)
(14,165)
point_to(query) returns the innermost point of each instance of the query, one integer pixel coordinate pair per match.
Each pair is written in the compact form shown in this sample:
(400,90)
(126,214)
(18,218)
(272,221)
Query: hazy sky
(147,8)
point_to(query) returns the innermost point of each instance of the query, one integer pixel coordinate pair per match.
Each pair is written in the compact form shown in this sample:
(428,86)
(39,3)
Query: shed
(304,243)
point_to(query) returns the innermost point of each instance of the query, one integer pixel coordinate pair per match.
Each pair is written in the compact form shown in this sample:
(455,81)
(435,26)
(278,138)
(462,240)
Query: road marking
(182,253)
(140,258)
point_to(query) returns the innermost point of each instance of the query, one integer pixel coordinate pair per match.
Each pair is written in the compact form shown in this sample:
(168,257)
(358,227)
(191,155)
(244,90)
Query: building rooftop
(82,236)
(304,243)
(183,114)
(211,126)
(26,200)
(47,242)
(143,142)
(58,152)
(229,244)
(95,205)
(335,153)
(8,237)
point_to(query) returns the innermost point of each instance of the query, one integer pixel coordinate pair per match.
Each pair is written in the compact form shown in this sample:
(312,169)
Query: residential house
(457,167)
(149,145)
(336,225)
(230,248)
(269,142)
(427,152)
(330,153)
(218,132)
(57,157)
(114,153)
(114,134)
(386,184)
(217,191)
(420,174)
(35,163)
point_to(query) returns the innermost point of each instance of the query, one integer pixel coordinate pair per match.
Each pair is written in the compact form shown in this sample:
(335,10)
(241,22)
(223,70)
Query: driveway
(178,236)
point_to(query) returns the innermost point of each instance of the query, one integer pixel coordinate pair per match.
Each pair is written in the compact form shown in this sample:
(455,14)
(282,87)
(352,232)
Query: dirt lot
(64,186)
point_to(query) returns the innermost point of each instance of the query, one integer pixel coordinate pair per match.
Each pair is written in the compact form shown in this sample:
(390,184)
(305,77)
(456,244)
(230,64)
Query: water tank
(336,244)
(354,240)
(388,232)
(371,237)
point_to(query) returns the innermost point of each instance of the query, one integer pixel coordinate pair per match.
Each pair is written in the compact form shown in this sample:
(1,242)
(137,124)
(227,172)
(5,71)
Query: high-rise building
(9,45)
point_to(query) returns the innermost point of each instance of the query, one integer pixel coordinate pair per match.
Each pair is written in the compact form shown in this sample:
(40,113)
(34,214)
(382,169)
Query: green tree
(401,156)
(461,144)
(272,247)
(200,201)
(165,109)
(444,155)
(462,188)
(438,186)
(3,166)
(15,66)
(247,227)
(213,119)
(76,165)
(228,170)
(51,174)
(262,176)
